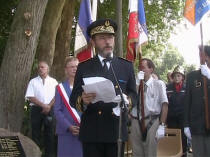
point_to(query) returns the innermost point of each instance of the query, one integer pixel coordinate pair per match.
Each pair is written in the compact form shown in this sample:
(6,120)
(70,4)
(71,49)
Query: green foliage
(170,59)
(106,9)
(162,17)
(7,10)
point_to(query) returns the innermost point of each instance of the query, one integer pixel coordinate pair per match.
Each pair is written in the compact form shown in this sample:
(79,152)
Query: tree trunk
(17,62)
(119,41)
(51,22)
(63,40)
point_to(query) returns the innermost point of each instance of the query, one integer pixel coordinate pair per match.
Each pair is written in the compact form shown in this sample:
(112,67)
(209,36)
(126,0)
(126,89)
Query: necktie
(145,87)
(105,67)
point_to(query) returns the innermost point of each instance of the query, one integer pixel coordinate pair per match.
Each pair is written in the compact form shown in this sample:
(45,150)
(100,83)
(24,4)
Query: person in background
(197,119)
(176,96)
(41,92)
(66,127)
(100,122)
(155,113)
(169,78)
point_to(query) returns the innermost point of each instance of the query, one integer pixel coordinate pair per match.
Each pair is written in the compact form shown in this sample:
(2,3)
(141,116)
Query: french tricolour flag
(82,49)
(137,31)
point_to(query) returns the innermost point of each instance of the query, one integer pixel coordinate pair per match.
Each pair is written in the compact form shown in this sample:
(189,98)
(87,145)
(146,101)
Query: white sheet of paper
(103,88)
(90,80)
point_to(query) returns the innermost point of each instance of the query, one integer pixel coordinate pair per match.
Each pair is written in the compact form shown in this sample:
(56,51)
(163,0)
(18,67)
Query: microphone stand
(122,107)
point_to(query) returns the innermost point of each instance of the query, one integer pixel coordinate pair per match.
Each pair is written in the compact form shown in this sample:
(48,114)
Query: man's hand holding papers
(101,89)
(88,97)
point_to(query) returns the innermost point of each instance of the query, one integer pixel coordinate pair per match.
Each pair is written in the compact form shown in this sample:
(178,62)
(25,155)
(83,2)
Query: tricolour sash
(65,98)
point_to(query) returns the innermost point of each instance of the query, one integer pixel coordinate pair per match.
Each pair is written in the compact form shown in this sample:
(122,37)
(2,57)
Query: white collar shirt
(43,92)
(154,96)
(102,62)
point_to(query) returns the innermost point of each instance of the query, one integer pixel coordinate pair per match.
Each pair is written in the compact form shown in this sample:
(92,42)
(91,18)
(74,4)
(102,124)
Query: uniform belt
(147,117)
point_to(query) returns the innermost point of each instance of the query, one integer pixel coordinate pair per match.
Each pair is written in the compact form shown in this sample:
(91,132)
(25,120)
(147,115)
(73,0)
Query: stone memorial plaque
(10,146)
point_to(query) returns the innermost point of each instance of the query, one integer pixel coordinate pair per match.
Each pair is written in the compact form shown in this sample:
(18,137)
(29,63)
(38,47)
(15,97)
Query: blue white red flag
(196,9)
(143,37)
(81,47)
(137,31)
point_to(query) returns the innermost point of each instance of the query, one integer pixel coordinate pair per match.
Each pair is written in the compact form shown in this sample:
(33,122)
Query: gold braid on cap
(106,28)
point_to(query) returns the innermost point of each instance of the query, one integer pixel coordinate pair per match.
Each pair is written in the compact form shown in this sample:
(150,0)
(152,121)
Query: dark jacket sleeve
(188,99)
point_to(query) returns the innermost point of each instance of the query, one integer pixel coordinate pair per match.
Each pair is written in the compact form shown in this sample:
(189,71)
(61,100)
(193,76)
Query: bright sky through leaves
(188,39)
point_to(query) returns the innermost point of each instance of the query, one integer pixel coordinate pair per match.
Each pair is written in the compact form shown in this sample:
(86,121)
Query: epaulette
(124,59)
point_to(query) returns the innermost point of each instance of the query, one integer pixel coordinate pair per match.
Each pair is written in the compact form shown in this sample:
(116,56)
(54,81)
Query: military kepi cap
(178,69)
(102,26)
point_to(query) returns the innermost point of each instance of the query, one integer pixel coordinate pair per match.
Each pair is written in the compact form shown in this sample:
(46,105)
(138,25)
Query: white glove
(140,76)
(205,71)
(117,99)
(160,133)
(187,133)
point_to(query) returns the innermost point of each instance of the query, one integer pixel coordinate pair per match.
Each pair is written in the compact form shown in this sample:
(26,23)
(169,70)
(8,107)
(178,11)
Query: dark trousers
(37,121)
(101,149)
(177,122)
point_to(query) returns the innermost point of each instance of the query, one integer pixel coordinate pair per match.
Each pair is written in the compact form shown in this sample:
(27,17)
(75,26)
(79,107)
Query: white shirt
(154,96)
(43,92)
(102,62)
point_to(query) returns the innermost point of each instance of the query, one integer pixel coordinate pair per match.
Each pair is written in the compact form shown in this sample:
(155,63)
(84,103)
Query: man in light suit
(99,125)
(67,128)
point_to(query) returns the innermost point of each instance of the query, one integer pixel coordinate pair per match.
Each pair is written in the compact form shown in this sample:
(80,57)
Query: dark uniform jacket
(194,105)
(98,122)
(175,100)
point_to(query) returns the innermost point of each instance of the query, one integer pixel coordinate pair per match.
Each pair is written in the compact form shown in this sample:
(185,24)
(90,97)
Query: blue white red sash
(65,98)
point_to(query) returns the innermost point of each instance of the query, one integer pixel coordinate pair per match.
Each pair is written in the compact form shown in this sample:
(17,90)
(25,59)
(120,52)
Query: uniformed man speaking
(99,125)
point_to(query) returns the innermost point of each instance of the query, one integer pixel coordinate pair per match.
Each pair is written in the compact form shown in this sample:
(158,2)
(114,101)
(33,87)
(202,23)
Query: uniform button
(99,112)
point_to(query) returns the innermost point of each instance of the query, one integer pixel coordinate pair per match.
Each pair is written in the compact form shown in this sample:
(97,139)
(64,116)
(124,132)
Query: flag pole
(201,32)
(205,84)
(94,17)
(119,50)
(140,104)
(94,9)
(119,41)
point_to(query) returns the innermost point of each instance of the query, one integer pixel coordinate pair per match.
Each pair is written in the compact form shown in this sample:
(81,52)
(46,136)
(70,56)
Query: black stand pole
(122,109)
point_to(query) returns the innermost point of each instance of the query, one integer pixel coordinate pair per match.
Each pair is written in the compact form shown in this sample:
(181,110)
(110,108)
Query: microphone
(122,108)
(109,58)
